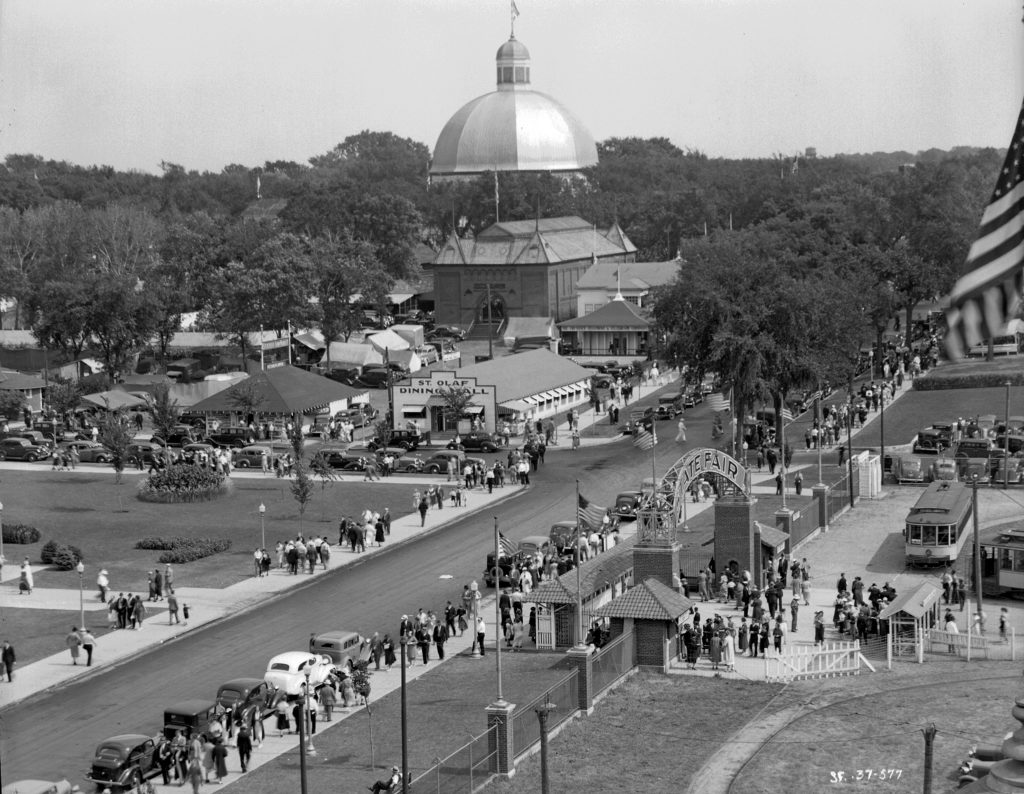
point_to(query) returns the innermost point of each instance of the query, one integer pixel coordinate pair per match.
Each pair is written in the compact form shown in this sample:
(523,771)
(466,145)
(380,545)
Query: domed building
(513,128)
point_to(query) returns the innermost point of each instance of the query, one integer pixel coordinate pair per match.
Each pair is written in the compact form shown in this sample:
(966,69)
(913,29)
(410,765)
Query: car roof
(335,634)
(241,683)
(125,740)
(292,657)
(193,706)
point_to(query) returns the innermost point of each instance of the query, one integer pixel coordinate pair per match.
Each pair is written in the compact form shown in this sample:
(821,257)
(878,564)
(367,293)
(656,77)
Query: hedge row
(968,380)
(62,556)
(179,550)
(183,484)
(20,533)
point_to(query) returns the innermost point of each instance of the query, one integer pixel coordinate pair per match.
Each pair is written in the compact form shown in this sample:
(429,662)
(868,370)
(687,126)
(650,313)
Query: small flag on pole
(645,439)
(507,547)
(787,415)
(515,10)
(718,402)
(987,295)
(589,513)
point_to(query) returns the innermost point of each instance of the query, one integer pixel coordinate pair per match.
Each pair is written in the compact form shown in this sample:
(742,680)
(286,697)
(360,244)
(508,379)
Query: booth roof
(615,314)
(523,374)
(285,390)
(916,602)
(651,600)
(114,400)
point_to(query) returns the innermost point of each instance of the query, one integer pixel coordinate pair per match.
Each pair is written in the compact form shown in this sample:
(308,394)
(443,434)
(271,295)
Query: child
(1002,624)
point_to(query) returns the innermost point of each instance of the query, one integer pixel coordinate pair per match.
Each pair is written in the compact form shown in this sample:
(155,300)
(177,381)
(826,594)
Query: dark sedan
(446,332)
(89,451)
(22,449)
(475,442)
(124,762)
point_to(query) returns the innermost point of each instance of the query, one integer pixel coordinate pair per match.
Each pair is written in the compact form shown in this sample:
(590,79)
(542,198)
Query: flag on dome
(589,513)
(987,295)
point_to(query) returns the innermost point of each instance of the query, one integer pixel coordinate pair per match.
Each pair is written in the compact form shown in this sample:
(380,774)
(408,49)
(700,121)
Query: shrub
(966,380)
(20,533)
(62,556)
(183,483)
(179,550)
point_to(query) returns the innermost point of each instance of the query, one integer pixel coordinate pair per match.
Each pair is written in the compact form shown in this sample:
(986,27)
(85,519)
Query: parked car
(124,762)
(179,436)
(247,701)
(344,459)
(33,437)
(908,468)
(199,421)
(987,424)
(931,441)
(358,415)
(51,430)
(532,544)
(22,449)
(252,457)
(346,375)
(1015,441)
(1007,470)
(475,442)
(400,437)
(192,717)
(89,451)
(343,648)
(691,395)
(403,460)
(505,564)
(147,451)
(428,354)
(627,503)
(438,461)
(942,469)
(973,458)
(228,437)
(669,406)
(375,377)
(446,332)
(287,671)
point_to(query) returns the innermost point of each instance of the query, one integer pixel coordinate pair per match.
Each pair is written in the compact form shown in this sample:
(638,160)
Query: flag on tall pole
(987,295)
(507,547)
(719,401)
(589,513)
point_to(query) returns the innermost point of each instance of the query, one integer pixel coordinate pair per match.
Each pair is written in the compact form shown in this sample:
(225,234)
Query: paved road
(53,736)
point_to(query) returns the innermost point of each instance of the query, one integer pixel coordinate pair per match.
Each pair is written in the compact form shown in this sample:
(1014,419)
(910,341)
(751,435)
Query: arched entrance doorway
(496,315)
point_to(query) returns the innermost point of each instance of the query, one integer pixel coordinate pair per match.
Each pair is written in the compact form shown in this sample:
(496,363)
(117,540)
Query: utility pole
(977,548)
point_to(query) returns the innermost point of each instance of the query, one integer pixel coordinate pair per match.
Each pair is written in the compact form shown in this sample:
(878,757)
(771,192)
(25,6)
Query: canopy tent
(353,354)
(388,340)
(114,400)
(408,358)
(284,390)
(314,340)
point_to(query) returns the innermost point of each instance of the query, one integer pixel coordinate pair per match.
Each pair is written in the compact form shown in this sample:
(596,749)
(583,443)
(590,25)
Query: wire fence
(611,662)
(526,727)
(464,771)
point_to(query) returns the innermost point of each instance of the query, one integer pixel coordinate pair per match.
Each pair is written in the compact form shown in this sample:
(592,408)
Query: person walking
(103,584)
(172,608)
(244,743)
(681,434)
(7,660)
(794,608)
(88,643)
(74,643)
(26,581)
(440,638)
(422,507)
(481,633)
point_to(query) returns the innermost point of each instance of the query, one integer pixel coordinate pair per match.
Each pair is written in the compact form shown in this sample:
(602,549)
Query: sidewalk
(206,605)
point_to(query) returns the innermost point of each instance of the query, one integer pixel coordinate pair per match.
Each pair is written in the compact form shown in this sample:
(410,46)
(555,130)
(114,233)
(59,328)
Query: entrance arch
(684,472)
(497,306)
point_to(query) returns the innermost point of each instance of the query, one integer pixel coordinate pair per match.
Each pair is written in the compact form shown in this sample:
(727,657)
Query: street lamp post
(301,725)
(306,718)
(81,598)
(403,640)
(1,534)
(474,589)
(263,529)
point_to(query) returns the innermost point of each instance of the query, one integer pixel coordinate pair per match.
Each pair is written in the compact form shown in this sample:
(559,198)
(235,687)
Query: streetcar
(936,527)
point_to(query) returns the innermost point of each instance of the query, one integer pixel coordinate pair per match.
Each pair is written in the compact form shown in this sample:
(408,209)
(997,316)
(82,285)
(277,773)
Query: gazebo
(911,614)
(618,328)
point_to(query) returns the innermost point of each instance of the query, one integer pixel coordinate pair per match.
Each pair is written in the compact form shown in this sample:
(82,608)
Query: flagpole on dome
(515,13)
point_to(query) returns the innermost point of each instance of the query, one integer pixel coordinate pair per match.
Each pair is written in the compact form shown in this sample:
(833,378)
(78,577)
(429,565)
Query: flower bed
(183,483)
(180,550)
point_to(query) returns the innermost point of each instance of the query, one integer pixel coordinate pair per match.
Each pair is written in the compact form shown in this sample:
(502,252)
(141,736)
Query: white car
(287,671)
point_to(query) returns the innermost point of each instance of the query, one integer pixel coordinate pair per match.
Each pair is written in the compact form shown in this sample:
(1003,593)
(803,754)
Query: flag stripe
(987,294)
(589,513)
(645,439)
(507,547)
(718,402)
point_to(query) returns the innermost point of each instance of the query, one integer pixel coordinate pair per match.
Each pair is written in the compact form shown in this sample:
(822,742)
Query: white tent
(352,354)
(388,340)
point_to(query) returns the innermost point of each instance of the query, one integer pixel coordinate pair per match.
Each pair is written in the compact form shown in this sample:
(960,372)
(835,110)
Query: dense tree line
(106,261)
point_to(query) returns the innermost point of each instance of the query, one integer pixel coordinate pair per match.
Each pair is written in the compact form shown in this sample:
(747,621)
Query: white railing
(830,659)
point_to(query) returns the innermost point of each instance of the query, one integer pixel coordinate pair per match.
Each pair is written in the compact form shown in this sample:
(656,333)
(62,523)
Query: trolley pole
(977,545)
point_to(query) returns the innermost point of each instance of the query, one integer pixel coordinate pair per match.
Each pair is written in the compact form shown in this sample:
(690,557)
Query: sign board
(709,461)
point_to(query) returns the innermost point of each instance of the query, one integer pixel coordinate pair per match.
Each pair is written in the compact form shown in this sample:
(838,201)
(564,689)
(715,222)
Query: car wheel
(433,469)
(243,464)
(30,457)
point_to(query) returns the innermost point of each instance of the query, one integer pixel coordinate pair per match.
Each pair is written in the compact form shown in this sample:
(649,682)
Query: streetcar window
(943,536)
(1018,561)
(928,537)
(1006,559)
(915,534)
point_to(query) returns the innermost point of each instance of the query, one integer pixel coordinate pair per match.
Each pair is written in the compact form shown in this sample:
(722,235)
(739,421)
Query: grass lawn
(89,510)
(38,633)
(877,725)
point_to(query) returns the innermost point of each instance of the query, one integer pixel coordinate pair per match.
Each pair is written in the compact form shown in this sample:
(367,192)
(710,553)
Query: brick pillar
(500,741)
(734,535)
(581,657)
(821,493)
(656,562)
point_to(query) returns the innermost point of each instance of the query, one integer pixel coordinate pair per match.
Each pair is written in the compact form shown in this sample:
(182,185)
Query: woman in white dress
(729,651)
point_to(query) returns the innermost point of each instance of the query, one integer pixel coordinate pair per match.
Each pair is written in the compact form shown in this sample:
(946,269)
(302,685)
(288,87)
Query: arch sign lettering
(708,461)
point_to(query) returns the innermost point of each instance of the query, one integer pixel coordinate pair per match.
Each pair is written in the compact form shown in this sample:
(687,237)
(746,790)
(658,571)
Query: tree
(63,397)
(456,400)
(302,488)
(247,399)
(122,319)
(115,435)
(11,403)
(164,411)
(320,468)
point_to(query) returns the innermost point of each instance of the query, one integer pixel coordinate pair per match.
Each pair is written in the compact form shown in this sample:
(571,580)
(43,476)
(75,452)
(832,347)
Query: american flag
(589,513)
(787,415)
(644,438)
(719,402)
(987,294)
(508,548)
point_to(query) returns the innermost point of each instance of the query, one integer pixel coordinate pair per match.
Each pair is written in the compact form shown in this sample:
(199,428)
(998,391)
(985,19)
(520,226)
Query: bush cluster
(63,556)
(20,533)
(183,484)
(178,550)
(967,380)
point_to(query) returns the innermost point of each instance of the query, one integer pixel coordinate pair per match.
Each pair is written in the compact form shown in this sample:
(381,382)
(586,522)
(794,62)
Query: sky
(208,83)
